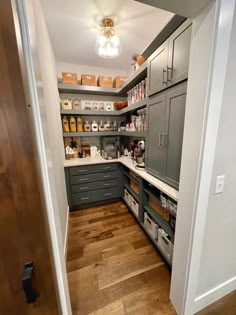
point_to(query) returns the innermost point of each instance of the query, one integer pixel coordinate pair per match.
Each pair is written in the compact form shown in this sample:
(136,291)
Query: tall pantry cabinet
(167,74)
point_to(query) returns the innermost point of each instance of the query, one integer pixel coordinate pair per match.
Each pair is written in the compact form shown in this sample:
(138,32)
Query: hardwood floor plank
(112,266)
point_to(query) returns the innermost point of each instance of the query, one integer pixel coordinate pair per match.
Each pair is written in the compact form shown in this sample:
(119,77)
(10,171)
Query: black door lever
(27,283)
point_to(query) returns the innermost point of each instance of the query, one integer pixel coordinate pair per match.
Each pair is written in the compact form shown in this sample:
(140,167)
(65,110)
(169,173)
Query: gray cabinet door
(157,70)
(156,153)
(178,54)
(175,112)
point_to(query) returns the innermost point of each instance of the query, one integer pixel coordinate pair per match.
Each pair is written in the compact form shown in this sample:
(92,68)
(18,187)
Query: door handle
(27,283)
(164,144)
(169,69)
(160,134)
(163,76)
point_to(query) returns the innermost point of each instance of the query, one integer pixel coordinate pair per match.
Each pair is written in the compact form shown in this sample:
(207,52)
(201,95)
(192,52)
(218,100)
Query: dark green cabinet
(169,64)
(165,123)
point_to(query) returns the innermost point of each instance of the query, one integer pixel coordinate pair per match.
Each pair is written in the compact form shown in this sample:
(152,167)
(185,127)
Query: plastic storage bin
(127,197)
(135,206)
(151,226)
(165,244)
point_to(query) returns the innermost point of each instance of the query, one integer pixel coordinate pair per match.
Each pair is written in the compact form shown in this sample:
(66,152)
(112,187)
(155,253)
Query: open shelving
(137,134)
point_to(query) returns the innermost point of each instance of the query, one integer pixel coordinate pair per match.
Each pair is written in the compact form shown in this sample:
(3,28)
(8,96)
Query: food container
(109,106)
(73,126)
(120,105)
(69,78)
(115,126)
(66,103)
(65,124)
(79,124)
(86,105)
(151,226)
(135,206)
(95,105)
(158,208)
(101,126)
(127,197)
(118,81)
(87,126)
(163,200)
(107,126)
(105,81)
(165,244)
(94,126)
(171,206)
(76,104)
(88,79)
(101,105)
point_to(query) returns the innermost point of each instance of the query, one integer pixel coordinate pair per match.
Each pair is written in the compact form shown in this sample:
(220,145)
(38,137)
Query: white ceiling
(73,27)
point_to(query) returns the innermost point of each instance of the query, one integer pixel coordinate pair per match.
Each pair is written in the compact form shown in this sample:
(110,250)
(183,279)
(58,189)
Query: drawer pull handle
(83,171)
(83,179)
(107,184)
(108,194)
(85,198)
(107,176)
(106,167)
(83,188)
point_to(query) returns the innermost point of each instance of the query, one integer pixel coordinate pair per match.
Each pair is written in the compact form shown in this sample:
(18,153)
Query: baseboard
(215,294)
(66,233)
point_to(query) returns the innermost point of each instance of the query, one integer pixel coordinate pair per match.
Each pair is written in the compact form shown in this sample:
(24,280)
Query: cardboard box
(88,79)
(105,81)
(118,81)
(69,78)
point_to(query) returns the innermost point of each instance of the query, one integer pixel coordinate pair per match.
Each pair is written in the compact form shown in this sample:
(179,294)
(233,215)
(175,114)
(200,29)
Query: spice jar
(101,126)
(115,126)
(76,104)
(94,126)
(107,126)
(72,124)
(87,126)
(66,103)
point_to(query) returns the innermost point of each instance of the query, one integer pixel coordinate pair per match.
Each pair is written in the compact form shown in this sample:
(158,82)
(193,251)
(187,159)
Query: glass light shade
(108,44)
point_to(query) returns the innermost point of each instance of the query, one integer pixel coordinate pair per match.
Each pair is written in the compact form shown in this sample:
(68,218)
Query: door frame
(29,62)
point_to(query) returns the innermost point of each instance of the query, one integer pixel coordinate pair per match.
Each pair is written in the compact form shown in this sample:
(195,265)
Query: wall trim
(66,233)
(214,294)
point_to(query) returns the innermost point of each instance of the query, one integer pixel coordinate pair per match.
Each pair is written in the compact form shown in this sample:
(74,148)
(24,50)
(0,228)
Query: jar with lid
(107,126)
(115,125)
(101,126)
(94,126)
(87,126)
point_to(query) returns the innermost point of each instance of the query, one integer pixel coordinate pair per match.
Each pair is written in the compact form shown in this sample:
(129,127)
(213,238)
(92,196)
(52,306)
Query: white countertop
(165,188)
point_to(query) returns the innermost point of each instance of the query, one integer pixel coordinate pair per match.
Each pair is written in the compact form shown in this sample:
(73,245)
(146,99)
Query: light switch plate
(220,182)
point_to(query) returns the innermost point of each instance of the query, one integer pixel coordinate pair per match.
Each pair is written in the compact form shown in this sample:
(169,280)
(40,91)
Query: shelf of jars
(138,134)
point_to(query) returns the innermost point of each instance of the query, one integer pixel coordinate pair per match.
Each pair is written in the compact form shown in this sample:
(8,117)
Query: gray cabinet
(165,122)
(178,54)
(169,64)
(93,183)
(157,72)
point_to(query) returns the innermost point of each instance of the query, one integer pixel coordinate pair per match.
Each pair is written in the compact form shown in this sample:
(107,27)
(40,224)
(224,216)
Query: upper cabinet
(169,64)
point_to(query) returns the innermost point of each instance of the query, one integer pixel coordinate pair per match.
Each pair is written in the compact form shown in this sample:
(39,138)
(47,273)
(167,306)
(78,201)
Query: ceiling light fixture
(107,43)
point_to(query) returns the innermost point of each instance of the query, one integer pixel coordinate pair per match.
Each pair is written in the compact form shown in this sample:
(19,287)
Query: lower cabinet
(91,184)
(165,124)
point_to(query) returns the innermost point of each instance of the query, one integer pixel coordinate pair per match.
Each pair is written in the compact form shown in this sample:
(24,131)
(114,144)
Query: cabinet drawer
(96,195)
(95,185)
(90,169)
(94,177)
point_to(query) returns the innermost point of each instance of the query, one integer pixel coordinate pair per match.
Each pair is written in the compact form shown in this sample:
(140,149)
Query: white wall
(86,69)
(218,258)
(53,119)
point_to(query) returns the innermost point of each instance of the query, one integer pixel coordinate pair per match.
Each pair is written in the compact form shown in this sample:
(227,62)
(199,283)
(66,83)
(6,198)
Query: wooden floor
(112,266)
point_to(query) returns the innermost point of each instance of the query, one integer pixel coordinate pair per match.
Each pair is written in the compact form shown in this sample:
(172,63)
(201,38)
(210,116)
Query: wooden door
(157,70)
(23,224)
(156,153)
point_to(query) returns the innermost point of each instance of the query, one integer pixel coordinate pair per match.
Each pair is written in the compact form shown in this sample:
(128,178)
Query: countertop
(165,188)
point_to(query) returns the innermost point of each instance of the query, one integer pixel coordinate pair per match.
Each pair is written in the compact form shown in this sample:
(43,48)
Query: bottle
(87,126)
(101,126)
(94,126)
(72,124)
(65,123)
(79,124)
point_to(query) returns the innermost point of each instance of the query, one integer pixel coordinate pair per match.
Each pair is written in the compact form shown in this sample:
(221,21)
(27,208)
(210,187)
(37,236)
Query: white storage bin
(165,244)
(127,197)
(135,206)
(151,226)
